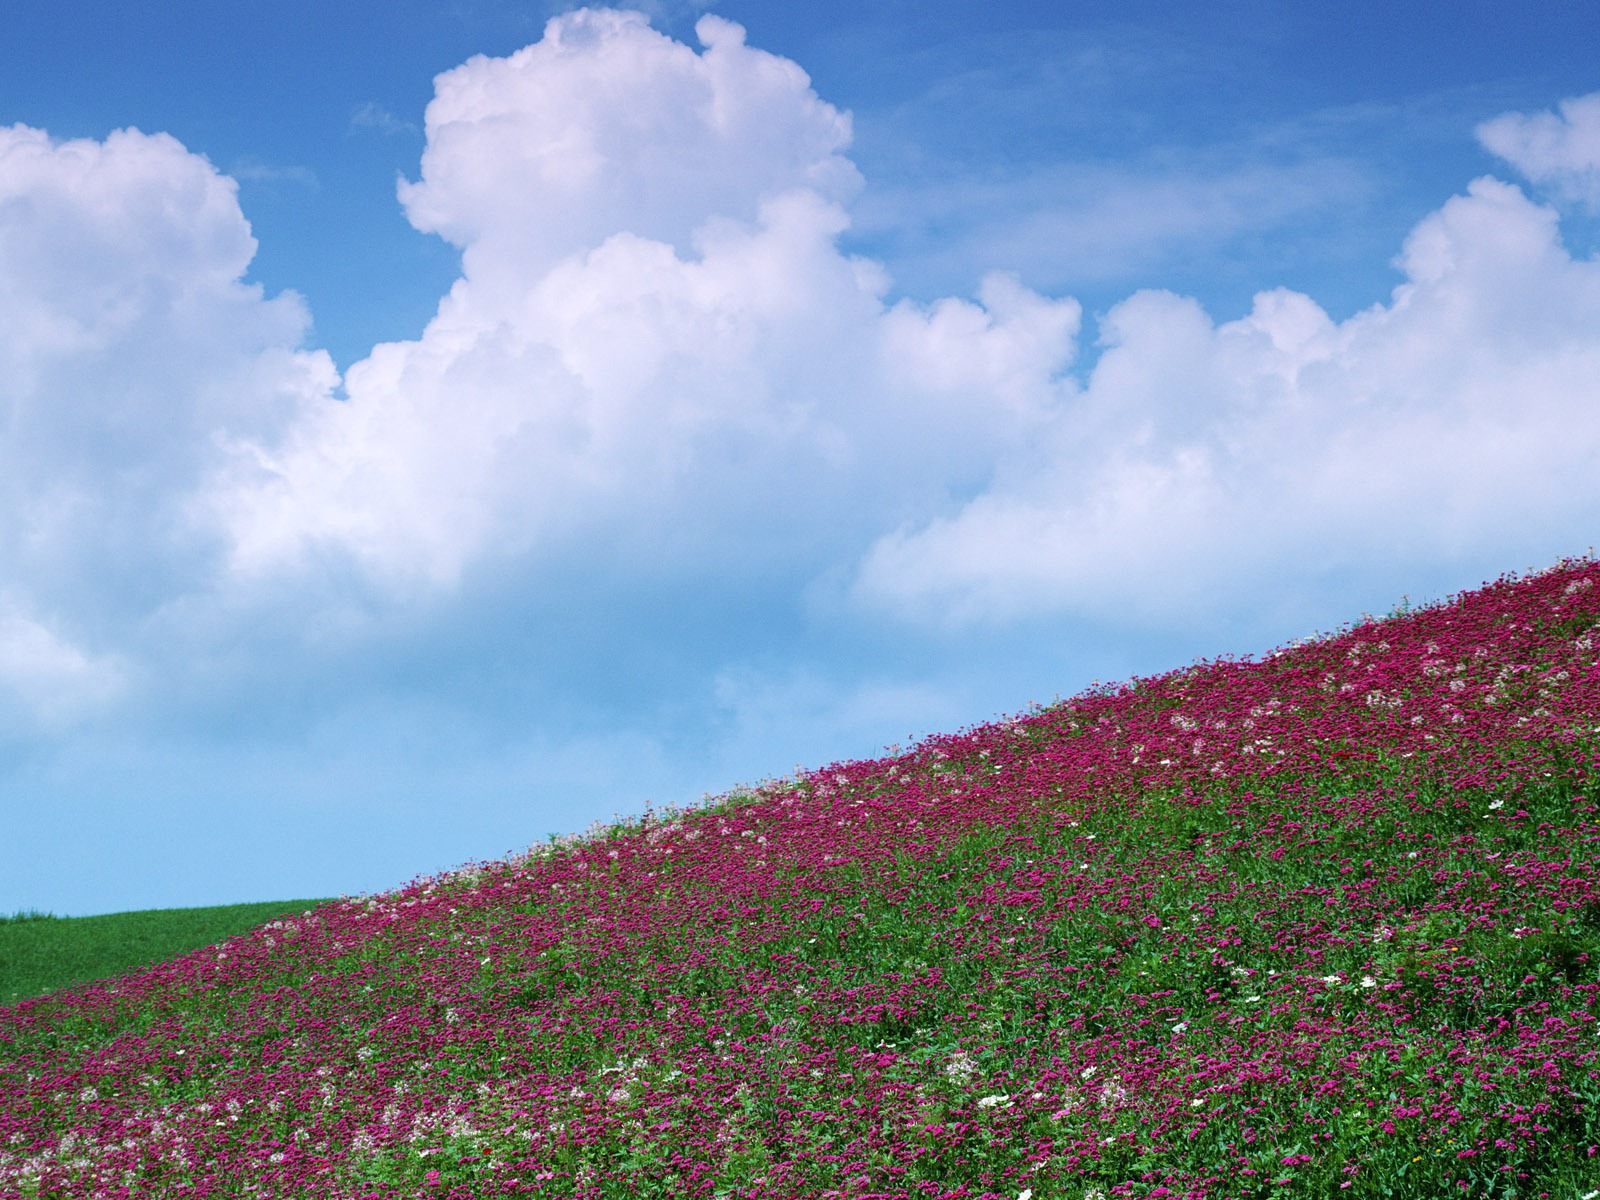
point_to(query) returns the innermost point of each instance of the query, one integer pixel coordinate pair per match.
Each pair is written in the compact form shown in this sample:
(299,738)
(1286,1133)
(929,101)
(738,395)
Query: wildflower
(1368,981)
(1087,1072)
(995,1101)
(1330,979)
(960,1068)
(1197,1102)
(1494,804)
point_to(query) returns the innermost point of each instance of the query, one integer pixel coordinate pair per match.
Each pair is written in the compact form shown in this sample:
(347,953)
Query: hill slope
(1323,925)
(40,952)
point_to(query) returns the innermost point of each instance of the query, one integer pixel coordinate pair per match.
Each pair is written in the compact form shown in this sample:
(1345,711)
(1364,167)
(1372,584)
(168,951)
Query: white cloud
(129,349)
(1462,415)
(1559,150)
(605,126)
(653,328)
(373,115)
(47,683)
(658,364)
(254,171)
(1095,222)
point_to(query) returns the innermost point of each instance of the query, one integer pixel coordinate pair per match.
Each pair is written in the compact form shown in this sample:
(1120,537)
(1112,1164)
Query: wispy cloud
(254,171)
(1078,224)
(1559,150)
(373,115)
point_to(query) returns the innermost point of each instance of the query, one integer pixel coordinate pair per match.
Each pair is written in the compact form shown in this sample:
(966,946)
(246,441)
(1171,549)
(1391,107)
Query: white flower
(1494,804)
(993,1101)
(1180,1027)
(1087,1072)
(1330,979)
(1368,981)
(960,1068)
(1025,1194)
(1197,1103)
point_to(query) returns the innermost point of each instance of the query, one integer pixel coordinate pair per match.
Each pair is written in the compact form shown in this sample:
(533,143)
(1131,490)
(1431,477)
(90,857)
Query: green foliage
(1270,948)
(41,953)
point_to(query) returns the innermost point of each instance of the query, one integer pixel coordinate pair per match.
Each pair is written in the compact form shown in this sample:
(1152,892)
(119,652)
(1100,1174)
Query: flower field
(1323,925)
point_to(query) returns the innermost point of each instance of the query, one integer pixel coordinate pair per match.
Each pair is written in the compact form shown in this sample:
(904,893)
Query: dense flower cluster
(1326,924)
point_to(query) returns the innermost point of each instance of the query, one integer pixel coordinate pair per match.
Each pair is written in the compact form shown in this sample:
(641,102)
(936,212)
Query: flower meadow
(1322,925)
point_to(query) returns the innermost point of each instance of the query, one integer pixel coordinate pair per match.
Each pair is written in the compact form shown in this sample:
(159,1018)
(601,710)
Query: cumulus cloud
(605,126)
(1462,415)
(655,345)
(130,352)
(1559,150)
(658,363)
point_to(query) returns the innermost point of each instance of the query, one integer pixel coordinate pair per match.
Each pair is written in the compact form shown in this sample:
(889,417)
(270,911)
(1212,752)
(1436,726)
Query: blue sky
(430,427)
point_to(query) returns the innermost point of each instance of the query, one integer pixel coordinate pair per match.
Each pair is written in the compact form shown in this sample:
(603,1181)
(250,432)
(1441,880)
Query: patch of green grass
(40,953)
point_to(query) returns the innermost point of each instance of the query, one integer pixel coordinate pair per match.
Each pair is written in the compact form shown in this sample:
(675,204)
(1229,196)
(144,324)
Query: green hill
(1324,925)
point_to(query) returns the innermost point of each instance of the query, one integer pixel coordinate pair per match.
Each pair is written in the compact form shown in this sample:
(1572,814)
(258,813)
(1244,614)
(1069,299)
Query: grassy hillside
(40,953)
(1325,925)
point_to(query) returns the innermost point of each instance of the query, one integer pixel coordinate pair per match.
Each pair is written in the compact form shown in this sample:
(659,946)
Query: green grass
(40,952)
(1323,927)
